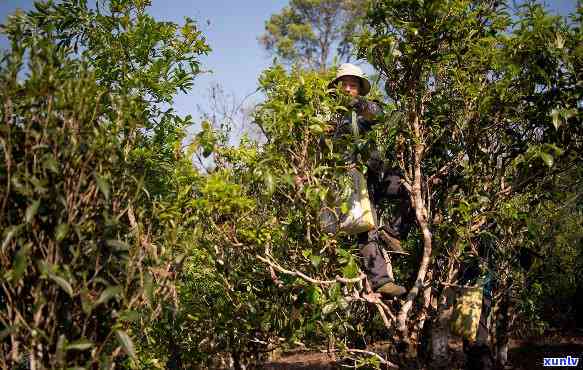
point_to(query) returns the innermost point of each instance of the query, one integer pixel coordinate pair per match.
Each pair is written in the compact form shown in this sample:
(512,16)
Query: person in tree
(382,181)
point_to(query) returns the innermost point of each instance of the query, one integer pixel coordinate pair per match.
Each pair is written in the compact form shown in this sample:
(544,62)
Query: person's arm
(368,113)
(368,109)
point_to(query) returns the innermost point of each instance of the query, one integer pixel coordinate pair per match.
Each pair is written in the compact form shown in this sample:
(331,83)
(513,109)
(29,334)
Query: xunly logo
(560,361)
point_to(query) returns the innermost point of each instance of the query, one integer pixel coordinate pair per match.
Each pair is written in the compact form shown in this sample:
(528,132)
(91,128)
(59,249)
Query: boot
(393,243)
(391,289)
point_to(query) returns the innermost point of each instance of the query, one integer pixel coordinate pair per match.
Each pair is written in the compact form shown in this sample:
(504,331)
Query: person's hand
(350,166)
(329,128)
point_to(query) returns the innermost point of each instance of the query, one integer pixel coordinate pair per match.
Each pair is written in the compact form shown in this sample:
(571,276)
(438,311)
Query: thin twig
(459,286)
(274,277)
(445,169)
(338,279)
(371,353)
(383,316)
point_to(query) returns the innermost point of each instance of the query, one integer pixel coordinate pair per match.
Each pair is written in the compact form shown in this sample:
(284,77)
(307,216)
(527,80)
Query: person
(382,182)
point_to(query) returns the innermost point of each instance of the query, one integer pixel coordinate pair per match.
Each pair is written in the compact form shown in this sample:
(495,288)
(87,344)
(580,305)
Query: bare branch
(371,353)
(299,274)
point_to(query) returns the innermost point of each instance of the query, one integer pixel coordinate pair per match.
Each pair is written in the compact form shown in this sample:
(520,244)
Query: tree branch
(379,357)
(299,274)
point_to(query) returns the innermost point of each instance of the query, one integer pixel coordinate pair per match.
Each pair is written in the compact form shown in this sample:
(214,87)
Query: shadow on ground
(523,355)
(530,355)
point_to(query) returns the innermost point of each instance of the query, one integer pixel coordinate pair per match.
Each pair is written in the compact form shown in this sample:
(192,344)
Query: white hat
(348,69)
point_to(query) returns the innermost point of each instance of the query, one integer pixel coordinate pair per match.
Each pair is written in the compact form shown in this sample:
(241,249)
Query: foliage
(130,53)
(114,245)
(250,206)
(491,103)
(474,146)
(72,267)
(84,259)
(306,31)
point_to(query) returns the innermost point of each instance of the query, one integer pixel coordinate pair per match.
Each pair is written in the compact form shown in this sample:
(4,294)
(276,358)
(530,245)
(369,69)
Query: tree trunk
(440,330)
(502,327)
(421,216)
(420,329)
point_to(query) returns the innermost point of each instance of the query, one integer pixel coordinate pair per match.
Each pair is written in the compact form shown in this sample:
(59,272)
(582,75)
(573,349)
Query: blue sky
(232,31)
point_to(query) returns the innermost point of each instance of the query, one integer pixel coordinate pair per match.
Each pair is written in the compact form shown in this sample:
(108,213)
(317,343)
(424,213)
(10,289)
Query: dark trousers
(384,184)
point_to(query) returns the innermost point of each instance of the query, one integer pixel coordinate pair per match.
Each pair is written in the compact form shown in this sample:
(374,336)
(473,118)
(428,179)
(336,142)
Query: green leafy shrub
(88,160)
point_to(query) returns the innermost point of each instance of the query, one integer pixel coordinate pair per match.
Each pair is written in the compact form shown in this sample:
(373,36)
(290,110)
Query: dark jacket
(367,112)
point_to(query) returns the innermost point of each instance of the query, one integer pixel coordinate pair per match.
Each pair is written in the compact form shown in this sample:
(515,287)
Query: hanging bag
(467,311)
(359,217)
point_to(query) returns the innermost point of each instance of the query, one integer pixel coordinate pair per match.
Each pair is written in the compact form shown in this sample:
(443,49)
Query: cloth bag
(359,217)
(466,313)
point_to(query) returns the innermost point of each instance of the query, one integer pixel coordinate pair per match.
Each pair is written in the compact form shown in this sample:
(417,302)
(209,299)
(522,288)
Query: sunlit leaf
(61,231)
(80,345)
(20,262)
(103,185)
(126,342)
(64,284)
(107,294)
(31,210)
(547,159)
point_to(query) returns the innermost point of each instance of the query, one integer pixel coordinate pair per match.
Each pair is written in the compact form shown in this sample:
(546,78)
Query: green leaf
(317,129)
(117,245)
(64,284)
(129,316)
(313,295)
(547,158)
(344,207)
(315,260)
(335,291)
(350,270)
(31,211)
(269,182)
(555,117)
(86,301)
(103,185)
(10,232)
(51,164)
(126,342)
(342,303)
(61,232)
(80,345)
(107,294)
(20,262)
(149,288)
(329,307)
(329,144)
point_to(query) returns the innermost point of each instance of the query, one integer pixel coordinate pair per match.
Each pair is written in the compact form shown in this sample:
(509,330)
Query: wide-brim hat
(348,69)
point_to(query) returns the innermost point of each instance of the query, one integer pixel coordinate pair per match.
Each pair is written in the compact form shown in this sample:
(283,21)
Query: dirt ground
(523,354)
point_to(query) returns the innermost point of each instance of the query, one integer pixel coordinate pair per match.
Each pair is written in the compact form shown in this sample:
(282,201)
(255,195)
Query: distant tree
(311,32)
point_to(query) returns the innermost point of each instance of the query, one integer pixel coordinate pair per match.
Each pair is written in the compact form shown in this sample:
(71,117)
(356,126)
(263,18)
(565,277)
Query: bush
(89,165)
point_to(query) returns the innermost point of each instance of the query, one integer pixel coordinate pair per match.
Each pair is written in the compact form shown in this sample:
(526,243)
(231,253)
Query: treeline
(117,252)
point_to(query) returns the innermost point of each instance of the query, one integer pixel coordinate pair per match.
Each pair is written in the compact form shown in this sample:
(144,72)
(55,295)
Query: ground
(525,354)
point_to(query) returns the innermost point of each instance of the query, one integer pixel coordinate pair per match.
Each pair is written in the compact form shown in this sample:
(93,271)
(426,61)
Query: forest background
(116,250)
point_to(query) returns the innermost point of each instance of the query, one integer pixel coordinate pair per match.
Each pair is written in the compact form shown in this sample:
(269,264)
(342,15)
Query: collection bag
(466,314)
(353,192)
